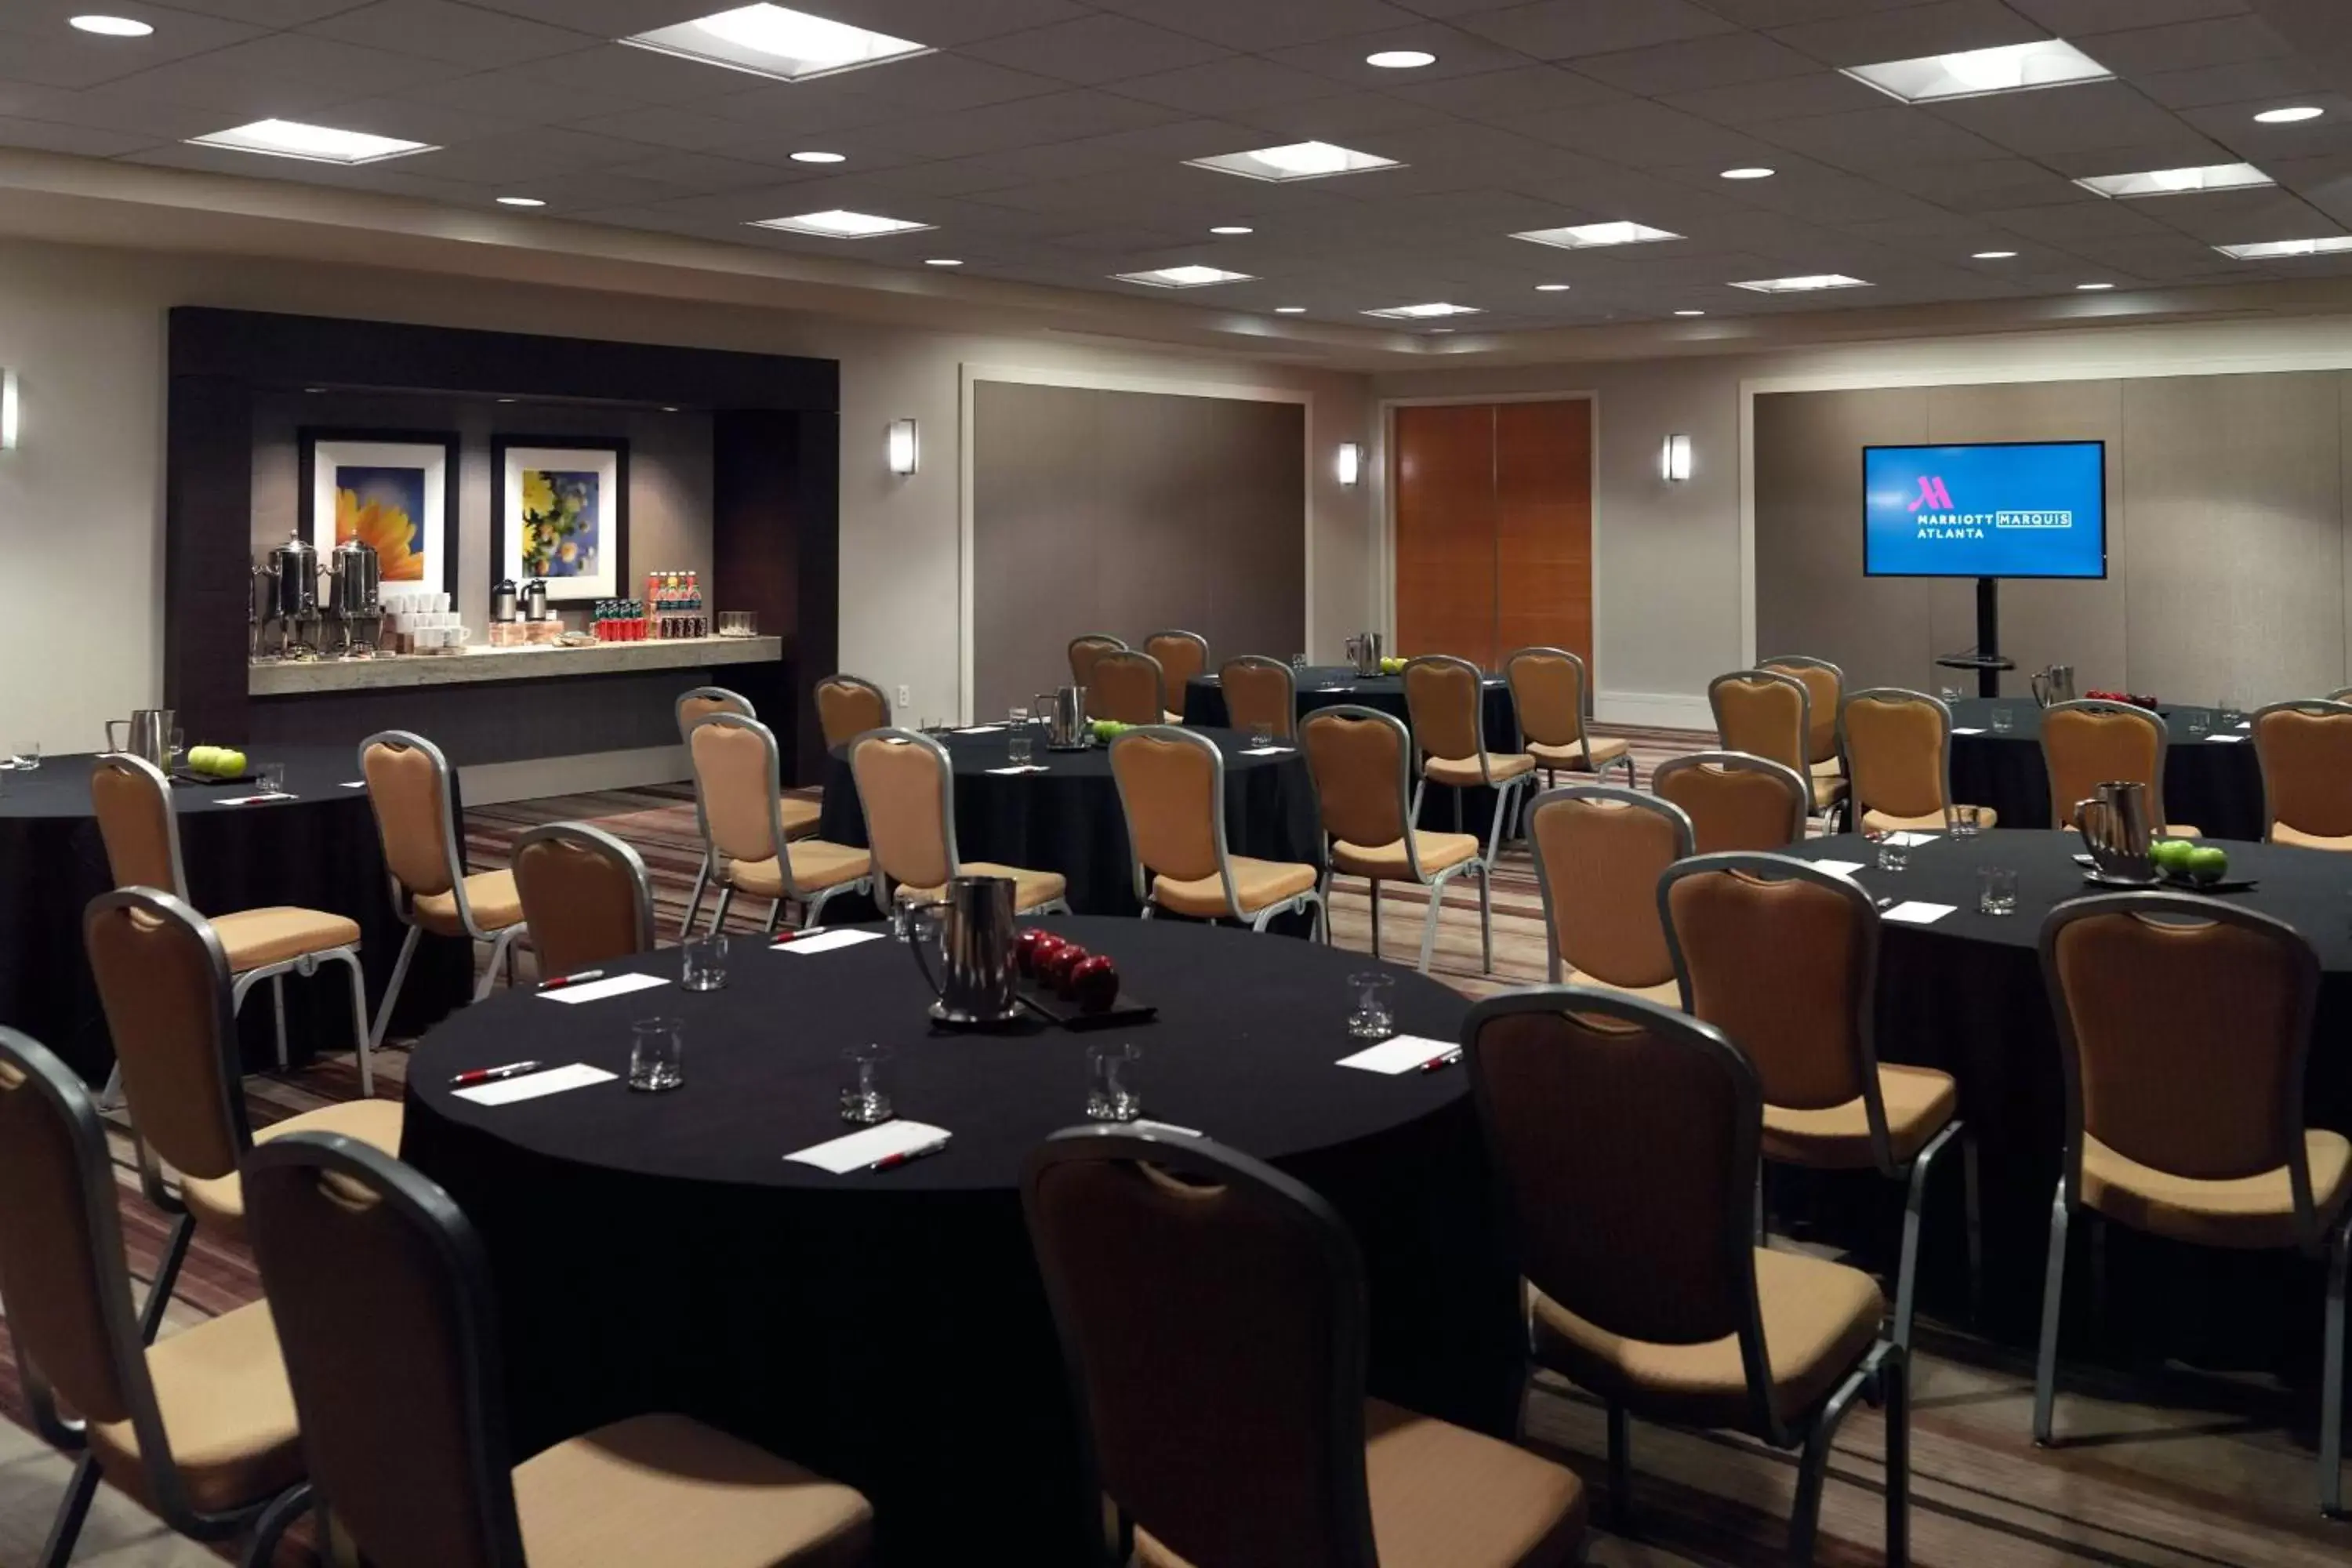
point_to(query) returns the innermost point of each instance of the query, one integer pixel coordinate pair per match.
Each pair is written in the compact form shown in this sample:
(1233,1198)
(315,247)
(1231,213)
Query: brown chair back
(142,833)
(1599,852)
(738,775)
(1735,801)
(1128,686)
(906,783)
(1766,713)
(1182,656)
(1548,689)
(1212,1311)
(404,1427)
(1260,690)
(2088,742)
(2305,751)
(847,706)
(1085,649)
(1171,786)
(1360,759)
(1444,698)
(408,790)
(1825,686)
(585,897)
(701,702)
(163,981)
(1897,746)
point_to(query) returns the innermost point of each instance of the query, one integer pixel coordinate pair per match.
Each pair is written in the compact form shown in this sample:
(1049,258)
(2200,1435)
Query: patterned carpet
(2168,1469)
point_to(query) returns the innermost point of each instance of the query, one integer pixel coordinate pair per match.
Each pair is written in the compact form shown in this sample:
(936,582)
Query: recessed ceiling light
(1584,236)
(1401,59)
(770,40)
(2176,182)
(1295,161)
(314,391)
(1748,173)
(2014,68)
(319,143)
(1993,256)
(1422,312)
(1551,287)
(812,156)
(2295,116)
(1434,331)
(669,409)
(1233,228)
(1290,310)
(1181,277)
(2093,288)
(836,223)
(1805,283)
(520,202)
(129,28)
(942,261)
(1690,312)
(2271,249)
(501,400)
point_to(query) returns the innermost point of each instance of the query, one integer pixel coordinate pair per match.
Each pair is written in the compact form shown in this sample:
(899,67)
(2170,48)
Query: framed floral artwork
(564,514)
(396,489)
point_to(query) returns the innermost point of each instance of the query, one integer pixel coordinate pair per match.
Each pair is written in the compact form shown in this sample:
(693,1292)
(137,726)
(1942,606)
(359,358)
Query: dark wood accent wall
(776,550)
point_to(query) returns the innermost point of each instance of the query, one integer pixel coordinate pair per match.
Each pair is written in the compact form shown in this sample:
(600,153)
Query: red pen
(785,938)
(563,979)
(468,1078)
(892,1162)
(1447,1060)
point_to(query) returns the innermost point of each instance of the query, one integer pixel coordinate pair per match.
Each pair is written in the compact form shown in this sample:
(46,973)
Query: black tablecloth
(889,1329)
(1067,819)
(2214,785)
(318,852)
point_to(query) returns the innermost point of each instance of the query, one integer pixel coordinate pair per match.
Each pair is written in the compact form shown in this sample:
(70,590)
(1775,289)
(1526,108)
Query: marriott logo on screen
(1937,518)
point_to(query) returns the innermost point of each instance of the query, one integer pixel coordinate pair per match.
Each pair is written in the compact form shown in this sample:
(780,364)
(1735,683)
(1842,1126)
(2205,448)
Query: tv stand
(1986,659)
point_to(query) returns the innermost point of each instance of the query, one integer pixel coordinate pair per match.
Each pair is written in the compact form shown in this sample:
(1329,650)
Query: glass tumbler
(1996,890)
(2200,723)
(703,962)
(1020,747)
(656,1055)
(1371,1013)
(28,756)
(2003,720)
(1966,820)
(1892,855)
(1261,735)
(1112,1091)
(269,778)
(866,1085)
(2233,715)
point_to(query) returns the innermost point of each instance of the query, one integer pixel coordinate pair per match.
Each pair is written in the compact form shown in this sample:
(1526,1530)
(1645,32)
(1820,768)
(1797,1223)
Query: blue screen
(2025,510)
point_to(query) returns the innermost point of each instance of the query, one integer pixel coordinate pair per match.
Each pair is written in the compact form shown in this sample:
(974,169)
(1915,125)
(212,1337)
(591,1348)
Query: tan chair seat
(2178,830)
(1605,749)
(1666,994)
(255,939)
(218,1201)
(1256,884)
(2282,833)
(665,1488)
(1030,888)
(816,865)
(1168,718)
(490,894)
(1819,1319)
(1829,768)
(228,1413)
(1437,852)
(1933,822)
(1918,1101)
(1828,790)
(1462,772)
(1446,1497)
(2248,1211)
(798,815)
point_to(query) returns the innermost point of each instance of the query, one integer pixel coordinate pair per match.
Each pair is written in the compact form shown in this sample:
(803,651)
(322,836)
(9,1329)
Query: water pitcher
(2116,831)
(975,930)
(1364,653)
(146,734)
(2055,684)
(1065,712)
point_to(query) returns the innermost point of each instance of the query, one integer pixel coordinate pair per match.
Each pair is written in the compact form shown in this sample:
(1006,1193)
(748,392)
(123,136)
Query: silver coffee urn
(291,580)
(352,598)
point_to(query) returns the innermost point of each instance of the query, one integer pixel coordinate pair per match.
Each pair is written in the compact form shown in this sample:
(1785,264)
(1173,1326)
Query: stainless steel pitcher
(146,734)
(1064,714)
(2055,684)
(2116,831)
(1364,653)
(975,932)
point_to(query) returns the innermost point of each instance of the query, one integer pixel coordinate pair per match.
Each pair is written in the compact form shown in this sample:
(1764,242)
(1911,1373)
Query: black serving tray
(189,776)
(2172,884)
(1048,1003)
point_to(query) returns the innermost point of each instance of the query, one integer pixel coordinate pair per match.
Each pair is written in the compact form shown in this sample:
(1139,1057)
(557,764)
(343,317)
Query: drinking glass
(704,963)
(1111,1092)
(1892,857)
(1298,661)
(929,726)
(2232,714)
(269,778)
(1370,1015)
(1996,890)
(656,1055)
(2200,723)
(1966,820)
(28,755)
(1019,747)
(2002,719)
(179,744)
(1017,717)
(866,1085)
(1950,694)
(1261,734)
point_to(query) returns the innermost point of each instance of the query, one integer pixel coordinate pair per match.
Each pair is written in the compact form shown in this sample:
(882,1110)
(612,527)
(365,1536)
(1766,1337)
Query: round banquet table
(889,1329)
(1966,995)
(319,850)
(2213,785)
(1068,819)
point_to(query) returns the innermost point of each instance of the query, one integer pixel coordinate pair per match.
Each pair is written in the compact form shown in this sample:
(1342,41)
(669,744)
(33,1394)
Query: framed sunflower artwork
(562,514)
(397,489)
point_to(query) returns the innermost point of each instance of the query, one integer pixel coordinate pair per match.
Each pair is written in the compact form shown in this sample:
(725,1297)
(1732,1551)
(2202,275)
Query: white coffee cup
(441,603)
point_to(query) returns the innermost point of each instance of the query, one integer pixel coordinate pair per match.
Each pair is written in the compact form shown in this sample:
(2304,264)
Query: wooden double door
(1493,528)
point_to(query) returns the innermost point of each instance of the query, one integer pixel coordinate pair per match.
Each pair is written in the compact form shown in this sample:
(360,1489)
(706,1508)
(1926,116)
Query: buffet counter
(271,677)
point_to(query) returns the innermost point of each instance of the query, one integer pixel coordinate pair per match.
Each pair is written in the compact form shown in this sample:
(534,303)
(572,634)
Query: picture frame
(562,513)
(395,489)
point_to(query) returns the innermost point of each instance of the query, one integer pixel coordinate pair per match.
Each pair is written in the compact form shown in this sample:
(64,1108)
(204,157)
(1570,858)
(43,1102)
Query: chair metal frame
(737,703)
(1584,736)
(1290,731)
(609,847)
(1407,798)
(1883,1373)
(1862,1006)
(1103,640)
(1195,638)
(1506,791)
(1159,680)
(2312,1239)
(1296,904)
(127,1338)
(1799,789)
(1633,799)
(305,963)
(1856,805)
(812,909)
(945,763)
(2062,815)
(1830,814)
(2329,707)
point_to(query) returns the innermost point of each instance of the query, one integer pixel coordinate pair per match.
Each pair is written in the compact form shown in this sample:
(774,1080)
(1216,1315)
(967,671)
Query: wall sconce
(1674,459)
(905,446)
(8,410)
(1351,462)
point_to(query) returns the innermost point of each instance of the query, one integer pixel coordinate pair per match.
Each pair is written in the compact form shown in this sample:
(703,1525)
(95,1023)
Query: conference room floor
(2167,1469)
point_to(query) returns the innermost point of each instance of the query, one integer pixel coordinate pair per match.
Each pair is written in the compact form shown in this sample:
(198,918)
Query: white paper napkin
(1401,1054)
(826,941)
(256,799)
(1838,868)
(980,730)
(596,990)
(1024,768)
(1265,751)
(2226,740)
(353,784)
(531,1085)
(862,1148)
(1966,730)
(1907,840)
(1917,913)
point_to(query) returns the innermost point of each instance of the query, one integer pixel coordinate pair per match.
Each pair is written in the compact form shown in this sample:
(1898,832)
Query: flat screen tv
(2026,508)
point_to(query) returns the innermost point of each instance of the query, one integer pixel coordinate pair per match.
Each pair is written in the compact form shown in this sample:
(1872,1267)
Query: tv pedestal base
(1986,660)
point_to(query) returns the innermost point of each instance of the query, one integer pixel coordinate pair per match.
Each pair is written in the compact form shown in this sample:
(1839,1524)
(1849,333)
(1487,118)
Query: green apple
(229,763)
(2208,863)
(200,759)
(2172,853)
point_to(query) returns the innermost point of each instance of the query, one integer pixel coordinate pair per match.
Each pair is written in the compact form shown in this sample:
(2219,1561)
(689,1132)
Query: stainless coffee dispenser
(1364,653)
(975,928)
(504,601)
(534,600)
(292,582)
(352,598)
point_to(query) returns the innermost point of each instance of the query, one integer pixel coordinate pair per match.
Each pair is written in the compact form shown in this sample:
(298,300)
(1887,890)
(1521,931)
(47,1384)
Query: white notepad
(862,1148)
(2225,740)
(1908,840)
(826,941)
(1838,868)
(353,784)
(980,730)
(1266,751)
(531,1085)
(596,990)
(1965,730)
(1400,1053)
(1917,913)
(256,799)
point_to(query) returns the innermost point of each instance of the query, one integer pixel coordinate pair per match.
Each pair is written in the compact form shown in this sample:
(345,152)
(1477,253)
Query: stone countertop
(269,678)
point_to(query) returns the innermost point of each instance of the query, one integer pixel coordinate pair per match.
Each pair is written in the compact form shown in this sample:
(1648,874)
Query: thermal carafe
(1066,728)
(146,734)
(976,982)
(2117,832)
(2055,684)
(1364,653)
(504,601)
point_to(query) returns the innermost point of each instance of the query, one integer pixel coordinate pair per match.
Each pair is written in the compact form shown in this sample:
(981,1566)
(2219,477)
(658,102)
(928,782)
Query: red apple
(1055,970)
(1032,944)
(1094,981)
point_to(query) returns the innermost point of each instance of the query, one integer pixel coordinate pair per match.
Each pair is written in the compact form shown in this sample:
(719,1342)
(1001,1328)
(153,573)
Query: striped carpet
(2170,1470)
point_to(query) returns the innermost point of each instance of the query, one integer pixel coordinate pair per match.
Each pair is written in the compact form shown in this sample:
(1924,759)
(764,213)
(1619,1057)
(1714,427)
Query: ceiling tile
(1878,138)
(2073,18)
(1094,49)
(1256,26)
(1643,135)
(49,136)
(1348,118)
(1459,54)
(1499,95)
(2186,45)
(1719,60)
(1222,86)
(1024,123)
(947,23)
(2277,80)
(2096,114)
(440,30)
(1786,98)
(1564,29)
(1910,31)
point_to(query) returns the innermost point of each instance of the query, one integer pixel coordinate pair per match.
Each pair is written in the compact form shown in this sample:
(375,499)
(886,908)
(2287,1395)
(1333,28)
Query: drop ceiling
(1047,141)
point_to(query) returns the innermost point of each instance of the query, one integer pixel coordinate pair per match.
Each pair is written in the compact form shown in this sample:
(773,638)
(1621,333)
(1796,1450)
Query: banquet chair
(1129,686)
(1445,697)
(1735,801)
(163,984)
(1599,852)
(2185,1103)
(848,706)
(1360,759)
(585,898)
(404,1426)
(800,816)
(1897,746)
(1182,656)
(1260,690)
(1213,1316)
(2304,749)
(416,816)
(905,786)
(1825,685)
(198,1428)
(142,833)
(738,775)
(1770,713)
(2088,742)
(1625,1139)
(1782,958)
(1548,688)
(1171,789)
(1086,647)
